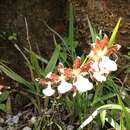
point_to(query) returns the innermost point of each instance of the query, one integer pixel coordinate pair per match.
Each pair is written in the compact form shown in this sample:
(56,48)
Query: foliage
(3,98)
(8,36)
(101,104)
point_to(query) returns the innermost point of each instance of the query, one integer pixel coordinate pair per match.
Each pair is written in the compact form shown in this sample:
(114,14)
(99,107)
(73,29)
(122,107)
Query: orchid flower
(97,67)
(48,91)
(83,84)
(64,87)
(108,64)
(99,77)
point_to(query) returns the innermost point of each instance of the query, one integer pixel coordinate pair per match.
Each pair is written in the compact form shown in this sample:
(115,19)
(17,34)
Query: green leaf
(114,33)
(3,107)
(92,31)
(43,60)
(105,97)
(122,122)
(102,117)
(52,63)
(35,64)
(4,96)
(8,105)
(100,109)
(113,123)
(71,31)
(125,111)
(15,76)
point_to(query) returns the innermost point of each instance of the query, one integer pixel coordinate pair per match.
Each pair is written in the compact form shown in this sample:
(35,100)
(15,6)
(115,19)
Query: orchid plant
(77,79)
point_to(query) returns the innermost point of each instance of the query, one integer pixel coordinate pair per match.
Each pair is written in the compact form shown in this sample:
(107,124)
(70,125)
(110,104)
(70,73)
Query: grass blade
(15,76)
(114,33)
(52,63)
(113,123)
(92,31)
(43,60)
(125,111)
(71,31)
(99,110)
(102,117)
(35,64)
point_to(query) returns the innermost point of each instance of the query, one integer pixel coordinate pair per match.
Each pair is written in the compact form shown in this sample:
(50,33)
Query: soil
(12,17)
(103,14)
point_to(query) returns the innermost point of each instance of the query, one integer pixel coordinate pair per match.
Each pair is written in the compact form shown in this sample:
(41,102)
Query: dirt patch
(12,17)
(104,15)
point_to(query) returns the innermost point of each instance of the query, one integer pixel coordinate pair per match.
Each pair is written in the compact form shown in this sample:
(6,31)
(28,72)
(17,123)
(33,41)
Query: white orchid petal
(83,84)
(48,91)
(95,66)
(99,77)
(108,64)
(64,87)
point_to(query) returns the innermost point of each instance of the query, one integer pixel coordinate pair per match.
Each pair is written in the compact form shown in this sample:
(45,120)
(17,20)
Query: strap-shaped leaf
(71,31)
(15,76)
(99,110)
(52,63)
(102,117)
(114,33)
(92,31)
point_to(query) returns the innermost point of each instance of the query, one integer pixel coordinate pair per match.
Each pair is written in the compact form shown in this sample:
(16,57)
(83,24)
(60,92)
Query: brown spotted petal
(104,42)
(68,72)
(77,63)
(113,49)
(53,77)
(85,67)
(42,82)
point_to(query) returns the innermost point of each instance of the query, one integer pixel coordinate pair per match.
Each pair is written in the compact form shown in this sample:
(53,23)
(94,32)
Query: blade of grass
(125,111)
(105,97)
(52,63)
(63,55)
(92,31)
(58,35)
(121,122)
(100,109)
(102,117)
(35,64)
(38,56)
(71,31)
(27,60)
(114,33)
(113,123)
(15,76)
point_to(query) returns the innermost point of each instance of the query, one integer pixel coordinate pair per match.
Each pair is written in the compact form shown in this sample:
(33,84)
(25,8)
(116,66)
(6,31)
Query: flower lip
(48,91)
(94,67)
(108,64)
(83,84)
(64,87)
(99,77)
